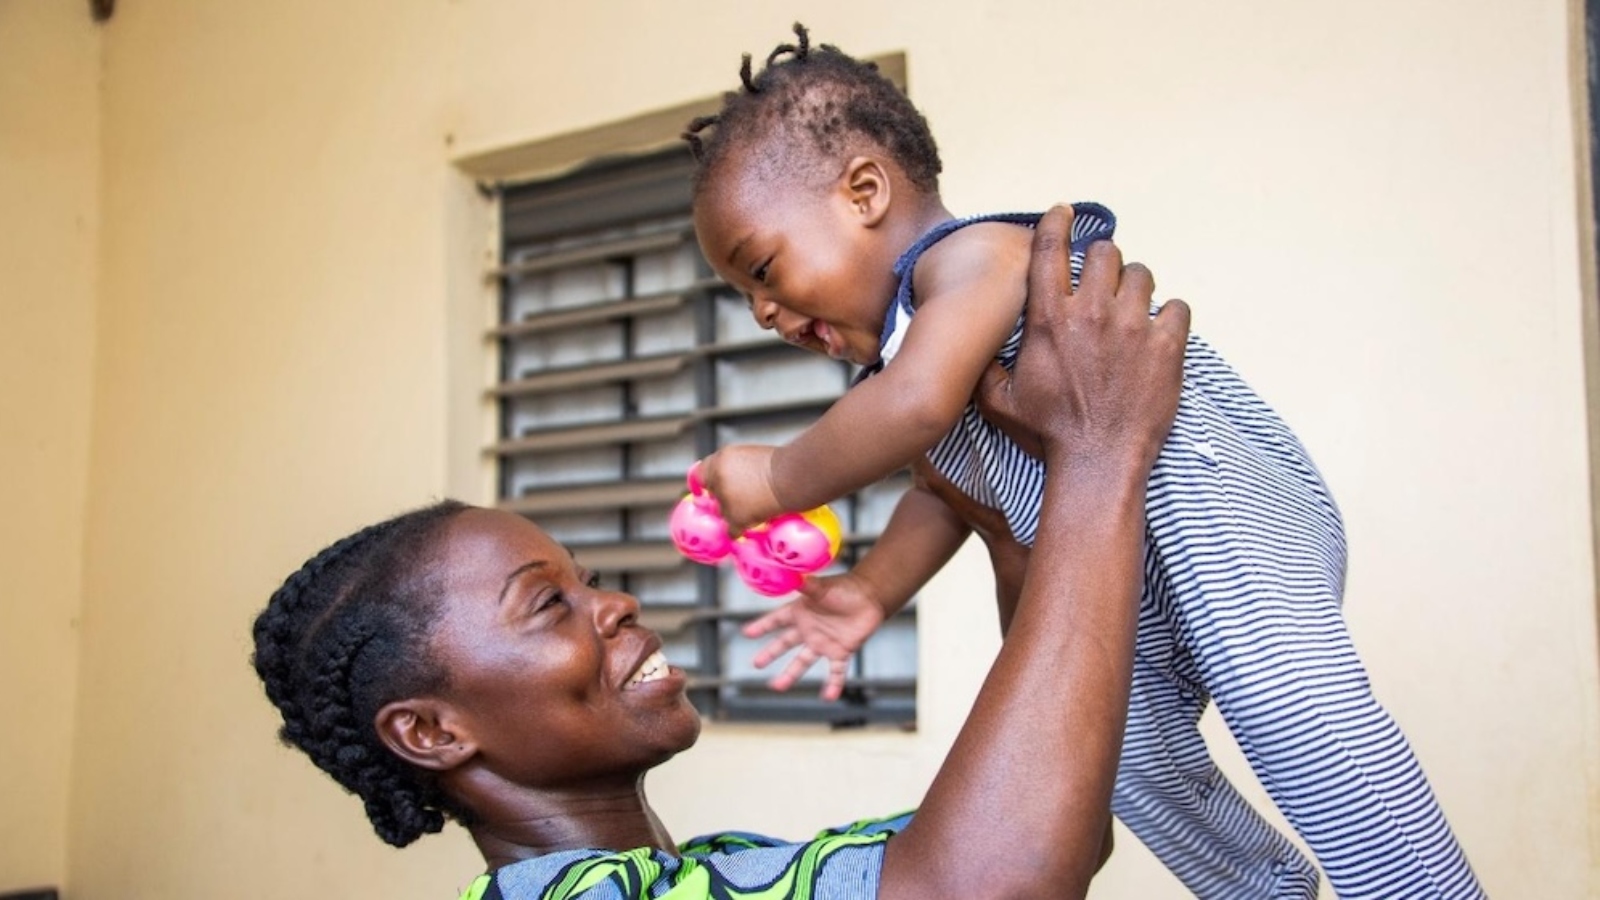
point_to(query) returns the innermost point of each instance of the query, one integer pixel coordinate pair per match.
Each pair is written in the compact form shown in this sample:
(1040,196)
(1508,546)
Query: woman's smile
(654,668)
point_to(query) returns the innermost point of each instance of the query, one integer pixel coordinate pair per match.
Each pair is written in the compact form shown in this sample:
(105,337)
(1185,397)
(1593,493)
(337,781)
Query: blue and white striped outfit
(1244,575)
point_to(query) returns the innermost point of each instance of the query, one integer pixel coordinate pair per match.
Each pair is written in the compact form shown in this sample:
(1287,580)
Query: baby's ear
(420,731)
(866,186)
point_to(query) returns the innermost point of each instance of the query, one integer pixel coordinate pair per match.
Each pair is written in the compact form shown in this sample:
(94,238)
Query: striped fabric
(1244,568)
(976,456)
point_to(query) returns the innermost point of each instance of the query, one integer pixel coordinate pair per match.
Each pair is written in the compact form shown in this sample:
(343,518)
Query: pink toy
(773,558)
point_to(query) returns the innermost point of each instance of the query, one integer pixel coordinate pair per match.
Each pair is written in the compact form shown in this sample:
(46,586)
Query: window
(622,361)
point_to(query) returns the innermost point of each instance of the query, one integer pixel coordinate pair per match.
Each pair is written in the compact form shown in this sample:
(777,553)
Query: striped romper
(1244,575)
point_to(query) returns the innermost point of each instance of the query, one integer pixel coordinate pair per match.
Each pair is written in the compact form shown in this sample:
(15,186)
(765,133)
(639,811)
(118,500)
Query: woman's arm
(1021,804)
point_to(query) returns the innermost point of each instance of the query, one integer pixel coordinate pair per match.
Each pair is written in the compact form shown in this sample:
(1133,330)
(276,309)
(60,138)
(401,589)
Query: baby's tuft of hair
(809,105)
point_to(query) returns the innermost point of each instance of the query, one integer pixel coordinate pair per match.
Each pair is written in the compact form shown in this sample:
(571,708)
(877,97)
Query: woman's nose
(613,610)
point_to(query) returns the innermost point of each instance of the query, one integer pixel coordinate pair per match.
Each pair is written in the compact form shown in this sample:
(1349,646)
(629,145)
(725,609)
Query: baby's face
(800,256)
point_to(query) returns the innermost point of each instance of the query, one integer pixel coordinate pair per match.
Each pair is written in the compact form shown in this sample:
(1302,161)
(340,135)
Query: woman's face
(556,680)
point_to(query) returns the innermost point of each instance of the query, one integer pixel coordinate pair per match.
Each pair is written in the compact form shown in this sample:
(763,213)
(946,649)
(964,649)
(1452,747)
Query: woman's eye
(549,600)
(593,581)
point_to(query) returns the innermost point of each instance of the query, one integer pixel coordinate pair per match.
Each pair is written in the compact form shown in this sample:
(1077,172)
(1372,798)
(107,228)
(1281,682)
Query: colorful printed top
(839,864)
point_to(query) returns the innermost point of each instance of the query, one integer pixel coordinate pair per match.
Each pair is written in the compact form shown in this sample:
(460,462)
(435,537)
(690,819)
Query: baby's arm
(972,286)
(834,615)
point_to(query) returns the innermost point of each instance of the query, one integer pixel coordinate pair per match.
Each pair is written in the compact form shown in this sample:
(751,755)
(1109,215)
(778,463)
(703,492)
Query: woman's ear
(421,733)
(866,186)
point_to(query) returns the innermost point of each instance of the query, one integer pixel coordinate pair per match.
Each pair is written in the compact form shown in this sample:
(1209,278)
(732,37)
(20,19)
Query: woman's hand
(1122,366)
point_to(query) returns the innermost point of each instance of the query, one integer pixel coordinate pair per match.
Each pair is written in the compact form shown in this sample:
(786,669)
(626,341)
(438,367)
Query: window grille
(622,361)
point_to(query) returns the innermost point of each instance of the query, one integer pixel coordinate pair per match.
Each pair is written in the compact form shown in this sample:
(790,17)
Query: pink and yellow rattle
(773,558)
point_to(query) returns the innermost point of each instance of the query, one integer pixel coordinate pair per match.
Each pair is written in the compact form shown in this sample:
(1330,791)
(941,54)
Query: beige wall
(1371,207)
(49,219)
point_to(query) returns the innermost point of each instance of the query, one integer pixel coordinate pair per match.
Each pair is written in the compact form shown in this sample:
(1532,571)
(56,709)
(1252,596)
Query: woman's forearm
(1020,807)
(1037,756)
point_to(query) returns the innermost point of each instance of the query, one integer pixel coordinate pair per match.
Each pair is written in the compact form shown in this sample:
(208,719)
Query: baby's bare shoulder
(986,253)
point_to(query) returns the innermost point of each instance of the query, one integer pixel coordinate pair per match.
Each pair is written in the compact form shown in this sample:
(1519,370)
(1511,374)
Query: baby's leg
(1172,796)
(1256,570)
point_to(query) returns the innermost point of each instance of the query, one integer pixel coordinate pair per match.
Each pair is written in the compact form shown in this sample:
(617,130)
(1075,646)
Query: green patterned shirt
(839,864)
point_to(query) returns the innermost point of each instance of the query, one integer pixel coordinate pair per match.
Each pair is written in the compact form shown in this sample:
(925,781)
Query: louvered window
(622,361)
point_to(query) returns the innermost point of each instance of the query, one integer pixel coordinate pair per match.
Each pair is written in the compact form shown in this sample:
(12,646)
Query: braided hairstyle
(345,635)
(816,99)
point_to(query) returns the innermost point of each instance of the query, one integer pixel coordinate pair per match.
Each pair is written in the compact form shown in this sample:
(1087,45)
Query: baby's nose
(765,311)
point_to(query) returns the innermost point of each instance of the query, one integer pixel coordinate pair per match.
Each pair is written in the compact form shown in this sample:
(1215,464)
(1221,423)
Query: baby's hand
(830,620)
(740,477)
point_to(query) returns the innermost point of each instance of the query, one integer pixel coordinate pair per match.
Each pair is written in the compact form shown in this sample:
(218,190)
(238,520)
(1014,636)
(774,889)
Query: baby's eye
(760,274)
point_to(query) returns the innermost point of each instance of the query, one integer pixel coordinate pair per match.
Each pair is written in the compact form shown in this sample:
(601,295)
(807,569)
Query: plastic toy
(773,558)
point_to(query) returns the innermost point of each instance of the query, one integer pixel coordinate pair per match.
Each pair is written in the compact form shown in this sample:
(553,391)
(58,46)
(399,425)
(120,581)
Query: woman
(457,662)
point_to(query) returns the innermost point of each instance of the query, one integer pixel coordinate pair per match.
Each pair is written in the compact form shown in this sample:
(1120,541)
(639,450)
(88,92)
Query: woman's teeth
(653,668)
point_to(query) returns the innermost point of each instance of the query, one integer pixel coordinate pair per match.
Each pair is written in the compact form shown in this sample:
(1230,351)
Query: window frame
(649,192)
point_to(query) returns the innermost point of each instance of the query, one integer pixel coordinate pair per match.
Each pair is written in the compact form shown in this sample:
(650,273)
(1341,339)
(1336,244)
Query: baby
(817,197)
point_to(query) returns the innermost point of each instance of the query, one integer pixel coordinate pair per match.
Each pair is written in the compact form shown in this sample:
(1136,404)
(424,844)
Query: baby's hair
(343,636)
(820,97)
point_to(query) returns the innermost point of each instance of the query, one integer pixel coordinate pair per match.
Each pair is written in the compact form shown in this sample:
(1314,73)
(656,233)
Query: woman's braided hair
(819,98)
(345,635)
